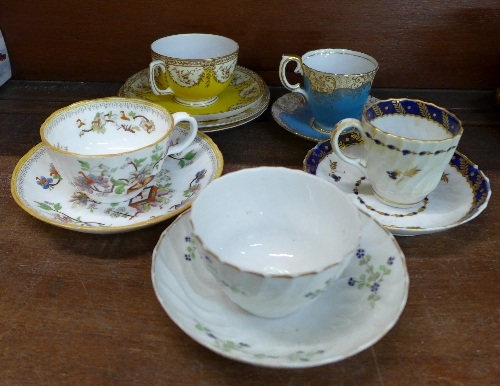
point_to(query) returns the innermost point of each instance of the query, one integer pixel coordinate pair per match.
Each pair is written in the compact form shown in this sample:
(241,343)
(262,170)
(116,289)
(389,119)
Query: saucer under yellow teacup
(196,68)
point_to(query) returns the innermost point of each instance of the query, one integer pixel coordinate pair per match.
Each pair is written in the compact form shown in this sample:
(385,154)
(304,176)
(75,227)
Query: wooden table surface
(78,309)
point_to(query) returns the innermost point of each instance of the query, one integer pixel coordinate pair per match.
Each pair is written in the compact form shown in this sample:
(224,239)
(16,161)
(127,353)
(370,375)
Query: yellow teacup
(195,68)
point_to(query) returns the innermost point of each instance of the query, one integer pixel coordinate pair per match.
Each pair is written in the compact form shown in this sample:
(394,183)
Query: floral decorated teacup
(110,149)
(274,238)
(407,144)
(195,68)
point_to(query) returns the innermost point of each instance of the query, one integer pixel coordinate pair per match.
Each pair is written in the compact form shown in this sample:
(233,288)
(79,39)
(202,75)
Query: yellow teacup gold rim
(195,62)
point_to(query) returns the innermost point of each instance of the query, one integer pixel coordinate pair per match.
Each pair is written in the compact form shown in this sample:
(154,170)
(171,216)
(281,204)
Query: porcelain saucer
(291,111)
(38,189)
(353,314)
(462,193)
(246,97)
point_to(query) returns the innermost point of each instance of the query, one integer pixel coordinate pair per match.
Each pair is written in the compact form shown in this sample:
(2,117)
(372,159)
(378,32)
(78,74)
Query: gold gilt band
(205,63)
(327,83)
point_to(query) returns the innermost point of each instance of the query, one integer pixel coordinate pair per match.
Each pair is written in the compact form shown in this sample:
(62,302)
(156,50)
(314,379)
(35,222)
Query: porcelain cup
(110,149)
(274,238)
(337,83)
(407,144)
(195,68)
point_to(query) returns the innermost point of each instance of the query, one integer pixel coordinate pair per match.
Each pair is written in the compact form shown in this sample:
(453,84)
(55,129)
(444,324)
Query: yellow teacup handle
(193,130)
(152,82)
(334,139)
(298,70)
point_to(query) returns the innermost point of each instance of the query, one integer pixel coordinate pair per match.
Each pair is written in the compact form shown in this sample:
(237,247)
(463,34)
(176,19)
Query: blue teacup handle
(298,70)
(334,139)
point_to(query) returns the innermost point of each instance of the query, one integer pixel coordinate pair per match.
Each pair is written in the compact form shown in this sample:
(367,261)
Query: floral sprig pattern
(400,176)
(157,195)
(99,178)
(186,159)
(230,346)
(333,170)
(122,121)
(60,216)
(316,293)
(372,277)
(210,266)
(49,182)
(191,248)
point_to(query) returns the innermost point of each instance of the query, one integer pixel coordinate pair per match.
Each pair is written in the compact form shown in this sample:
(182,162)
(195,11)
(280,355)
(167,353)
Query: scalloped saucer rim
(361,311)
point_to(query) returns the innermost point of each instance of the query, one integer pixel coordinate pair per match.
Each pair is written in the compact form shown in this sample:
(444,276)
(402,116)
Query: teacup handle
(193,130)
(334,139)
(152,82)
(298,70)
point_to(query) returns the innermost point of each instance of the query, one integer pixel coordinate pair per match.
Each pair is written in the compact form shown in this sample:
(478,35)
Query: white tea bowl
(110,149)
(274,238)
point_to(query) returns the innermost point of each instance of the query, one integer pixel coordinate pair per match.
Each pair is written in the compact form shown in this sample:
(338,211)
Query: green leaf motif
(44,206)
(84,165)
(190,155)
(138,162)
(120,190)
(372,278)
(118,183)
(57,206)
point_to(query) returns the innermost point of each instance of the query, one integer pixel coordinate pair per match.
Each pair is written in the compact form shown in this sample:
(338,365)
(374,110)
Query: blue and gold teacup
(407,145)
(337,84)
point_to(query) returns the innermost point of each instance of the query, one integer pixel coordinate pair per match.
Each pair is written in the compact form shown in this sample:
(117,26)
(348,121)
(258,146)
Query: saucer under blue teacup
(337,84)
(292,112)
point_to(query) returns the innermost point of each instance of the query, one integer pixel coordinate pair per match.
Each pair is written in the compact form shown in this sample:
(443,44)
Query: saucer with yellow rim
(246,97)
(39,189)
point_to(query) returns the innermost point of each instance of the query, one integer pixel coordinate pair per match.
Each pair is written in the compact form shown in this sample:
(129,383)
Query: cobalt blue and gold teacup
(407,145)
(337,84)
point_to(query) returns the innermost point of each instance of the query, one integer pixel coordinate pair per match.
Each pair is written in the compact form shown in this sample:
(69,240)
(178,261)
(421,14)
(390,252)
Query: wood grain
(418,44)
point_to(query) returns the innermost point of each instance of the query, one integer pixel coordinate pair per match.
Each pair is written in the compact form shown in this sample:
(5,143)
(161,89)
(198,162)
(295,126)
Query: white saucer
(352,315)
(463,193)
(246,98)
(36,188)
(291,111)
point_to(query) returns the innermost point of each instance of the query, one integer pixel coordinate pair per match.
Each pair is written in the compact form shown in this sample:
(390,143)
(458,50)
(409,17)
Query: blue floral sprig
(371,278)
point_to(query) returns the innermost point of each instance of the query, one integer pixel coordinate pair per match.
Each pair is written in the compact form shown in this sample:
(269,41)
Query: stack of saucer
(246,98)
